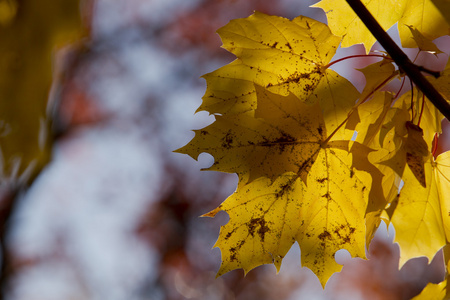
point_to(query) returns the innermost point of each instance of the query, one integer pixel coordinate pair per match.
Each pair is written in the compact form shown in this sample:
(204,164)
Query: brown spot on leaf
(324,235)
(227,140)
(233,254)
(416,165)
(327,195)
(320,130)
(259,223)
(283,189)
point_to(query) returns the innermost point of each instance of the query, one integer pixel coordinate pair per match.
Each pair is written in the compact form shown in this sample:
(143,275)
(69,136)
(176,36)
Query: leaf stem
(353,56)
(421,110)
(400,58)
(400,89)
(435,144)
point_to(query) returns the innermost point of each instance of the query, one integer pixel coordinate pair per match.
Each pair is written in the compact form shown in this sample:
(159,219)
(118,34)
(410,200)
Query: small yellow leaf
(423,43)
(369,117)
(391,138)
(377,75)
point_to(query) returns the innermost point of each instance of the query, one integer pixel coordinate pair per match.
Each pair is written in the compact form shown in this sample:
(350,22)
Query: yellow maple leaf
(418,218)
(344,22)
(421,14)
(295,185)
(285,57)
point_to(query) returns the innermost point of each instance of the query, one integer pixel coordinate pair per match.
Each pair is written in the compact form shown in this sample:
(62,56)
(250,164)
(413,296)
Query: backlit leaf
(377,75)
(285,57)
(423,16)
(420,14)
(295,185)
(316,165)
(417,218)
(332,216)
(344,22)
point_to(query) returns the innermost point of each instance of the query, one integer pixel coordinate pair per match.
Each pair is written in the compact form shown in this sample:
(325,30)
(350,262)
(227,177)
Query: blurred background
(115,214)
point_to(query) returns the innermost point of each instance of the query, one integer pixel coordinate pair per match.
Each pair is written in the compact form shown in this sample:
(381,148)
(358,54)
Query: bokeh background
(115,214)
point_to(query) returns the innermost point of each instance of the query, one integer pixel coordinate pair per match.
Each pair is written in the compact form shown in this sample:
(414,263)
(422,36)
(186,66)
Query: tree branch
(400,58)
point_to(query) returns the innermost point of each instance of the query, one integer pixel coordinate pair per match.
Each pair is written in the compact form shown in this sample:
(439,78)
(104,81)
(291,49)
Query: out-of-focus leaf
(29,33)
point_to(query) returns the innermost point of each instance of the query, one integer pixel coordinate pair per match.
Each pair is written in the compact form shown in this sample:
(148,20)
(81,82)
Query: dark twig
(400,58)
(8,201)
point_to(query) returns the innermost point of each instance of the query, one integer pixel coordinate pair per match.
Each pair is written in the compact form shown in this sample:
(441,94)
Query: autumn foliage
(320,163)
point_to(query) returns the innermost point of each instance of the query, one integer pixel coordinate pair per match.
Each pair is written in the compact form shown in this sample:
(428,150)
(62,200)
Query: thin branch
(8,202)
(400,58)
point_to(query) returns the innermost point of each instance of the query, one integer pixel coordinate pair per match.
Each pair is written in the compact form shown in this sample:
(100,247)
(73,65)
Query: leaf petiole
(354,56)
